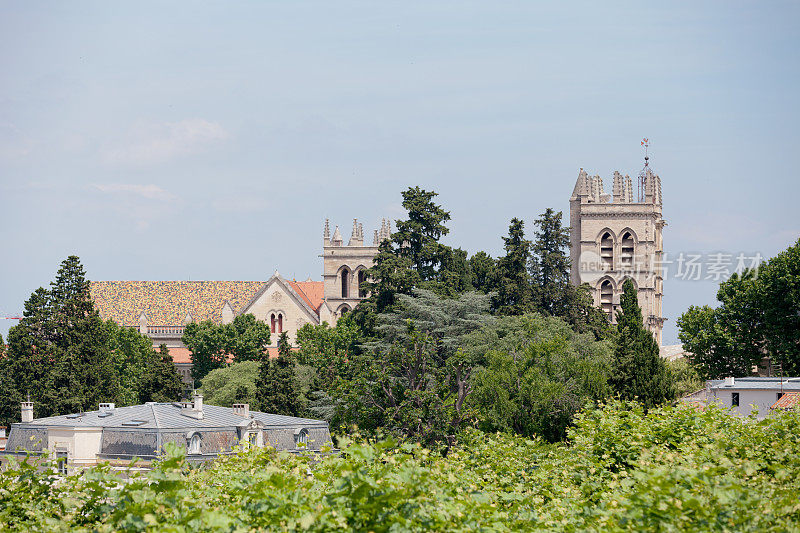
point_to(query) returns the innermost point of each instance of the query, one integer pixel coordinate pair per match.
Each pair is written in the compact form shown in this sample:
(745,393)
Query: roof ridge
(155,415)
(303,292)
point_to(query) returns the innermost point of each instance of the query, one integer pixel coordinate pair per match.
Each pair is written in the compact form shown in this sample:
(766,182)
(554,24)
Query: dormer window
(194,444)
(301,438)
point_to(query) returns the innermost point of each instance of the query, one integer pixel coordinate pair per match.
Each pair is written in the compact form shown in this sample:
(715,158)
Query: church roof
(312,292)
(167,303)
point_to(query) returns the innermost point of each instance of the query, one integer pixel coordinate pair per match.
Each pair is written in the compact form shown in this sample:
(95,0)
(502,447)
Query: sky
(211,140)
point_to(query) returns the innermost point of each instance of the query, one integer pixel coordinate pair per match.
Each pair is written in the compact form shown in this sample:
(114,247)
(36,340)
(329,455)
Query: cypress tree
(639,371)
(277,388)
(511,274)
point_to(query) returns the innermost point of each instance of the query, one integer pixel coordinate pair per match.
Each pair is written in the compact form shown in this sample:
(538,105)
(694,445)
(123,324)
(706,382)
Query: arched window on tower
(345,283)
(607,298)
(362,277)
(607,251)
(272,323)
(626,254)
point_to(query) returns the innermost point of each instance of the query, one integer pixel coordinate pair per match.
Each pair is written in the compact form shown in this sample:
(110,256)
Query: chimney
(241,409)
(195,407)
(107,407)
(729,381)
(27,411)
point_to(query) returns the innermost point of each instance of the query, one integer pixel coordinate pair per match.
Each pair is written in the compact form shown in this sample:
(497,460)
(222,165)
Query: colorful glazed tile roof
(788,401)
(166,303)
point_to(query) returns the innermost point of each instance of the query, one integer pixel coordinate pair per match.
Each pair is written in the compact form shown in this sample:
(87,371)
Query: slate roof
(169,416)
(166,303)
(758,383)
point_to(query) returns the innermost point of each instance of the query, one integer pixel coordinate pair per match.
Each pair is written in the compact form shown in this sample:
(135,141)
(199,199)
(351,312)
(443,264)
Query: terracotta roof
(788,401)
(166,303)
(311,291)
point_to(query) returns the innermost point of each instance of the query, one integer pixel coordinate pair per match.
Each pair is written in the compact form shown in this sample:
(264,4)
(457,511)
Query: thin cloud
(151,192)
(150,143)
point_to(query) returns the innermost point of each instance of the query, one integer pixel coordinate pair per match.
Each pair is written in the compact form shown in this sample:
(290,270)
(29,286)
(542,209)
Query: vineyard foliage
(674,469)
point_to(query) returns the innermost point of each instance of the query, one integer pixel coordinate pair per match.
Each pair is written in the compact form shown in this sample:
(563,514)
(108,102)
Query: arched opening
(345,283)
(607,251)
(626,253)
(272,323)
(194,444)
(343,309)
(301,438)
(362,277)
(607,299)
(280,323)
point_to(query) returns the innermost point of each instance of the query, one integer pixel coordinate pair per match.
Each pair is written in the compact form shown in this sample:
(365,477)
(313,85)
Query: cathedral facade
(617,237)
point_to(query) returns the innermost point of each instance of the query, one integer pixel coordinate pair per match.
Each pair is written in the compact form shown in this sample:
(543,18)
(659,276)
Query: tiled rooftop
(166,303)
(311,291)
(788,401)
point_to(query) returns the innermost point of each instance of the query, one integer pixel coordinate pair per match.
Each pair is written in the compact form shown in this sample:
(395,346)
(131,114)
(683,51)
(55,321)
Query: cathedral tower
(344,266)
(615,237)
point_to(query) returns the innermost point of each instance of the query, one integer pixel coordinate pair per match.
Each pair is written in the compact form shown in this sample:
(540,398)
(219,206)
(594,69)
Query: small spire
(337,240)
(327,233)
(375,238)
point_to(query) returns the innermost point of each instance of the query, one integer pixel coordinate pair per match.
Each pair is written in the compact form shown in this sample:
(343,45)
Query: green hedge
(621,470)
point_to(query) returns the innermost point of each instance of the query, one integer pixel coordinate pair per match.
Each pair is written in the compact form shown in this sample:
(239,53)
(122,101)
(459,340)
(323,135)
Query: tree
(639,371)
(418,237)
(758,316)
(417,381)
(511,275)
(549,265)
(232,384)
(59,351)
(209,346)
(247,338)
(277,389)
(162,383)
(482,266)
(538,373)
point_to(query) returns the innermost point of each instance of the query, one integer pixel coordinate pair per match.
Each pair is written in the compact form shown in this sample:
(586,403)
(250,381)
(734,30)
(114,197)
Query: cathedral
(612,238)
(162,309)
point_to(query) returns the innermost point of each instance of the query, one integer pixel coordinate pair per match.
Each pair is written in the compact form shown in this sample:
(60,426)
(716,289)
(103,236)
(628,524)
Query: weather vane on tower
(643,173)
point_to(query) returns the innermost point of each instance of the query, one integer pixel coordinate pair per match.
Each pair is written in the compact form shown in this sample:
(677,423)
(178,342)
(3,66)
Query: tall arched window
(626,254)
(607,251)
(194,444)
(272,323)
(362,277)
(345,283)
(607,298)
(280,322)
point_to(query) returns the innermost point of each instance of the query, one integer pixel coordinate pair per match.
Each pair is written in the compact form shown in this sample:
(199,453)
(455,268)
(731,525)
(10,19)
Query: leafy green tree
(390,275)
(538,373)
(232,384)
(639,371)
(277,388)
(482,266)
(684,377)
(549,265)
(209,344)
(455,275)
(512,281)
(247,338)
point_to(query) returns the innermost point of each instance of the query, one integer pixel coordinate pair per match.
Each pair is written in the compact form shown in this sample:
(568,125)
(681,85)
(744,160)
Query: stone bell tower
(344,266)
(616,237)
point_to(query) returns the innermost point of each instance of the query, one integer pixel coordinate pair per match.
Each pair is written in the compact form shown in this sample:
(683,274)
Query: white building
(747,395)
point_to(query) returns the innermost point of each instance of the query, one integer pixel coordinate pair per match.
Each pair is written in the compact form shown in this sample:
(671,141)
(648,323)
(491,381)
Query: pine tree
(277,388)
(639,371)
(511,274)
(483,267)
(549,266)
(59,352)
(418,237)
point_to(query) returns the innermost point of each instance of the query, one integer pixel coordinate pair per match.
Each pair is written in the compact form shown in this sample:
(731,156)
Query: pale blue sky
(210,140)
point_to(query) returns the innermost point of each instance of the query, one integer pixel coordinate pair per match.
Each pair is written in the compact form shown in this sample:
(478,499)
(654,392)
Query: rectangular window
(61,461)
(734,399)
